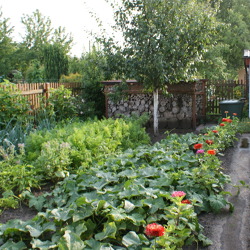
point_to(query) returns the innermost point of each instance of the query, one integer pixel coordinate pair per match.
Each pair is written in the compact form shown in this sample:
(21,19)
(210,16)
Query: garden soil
(228,231)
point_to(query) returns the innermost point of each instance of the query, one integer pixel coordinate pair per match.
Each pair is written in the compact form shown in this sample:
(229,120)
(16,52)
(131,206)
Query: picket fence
(216,91)
(35,91)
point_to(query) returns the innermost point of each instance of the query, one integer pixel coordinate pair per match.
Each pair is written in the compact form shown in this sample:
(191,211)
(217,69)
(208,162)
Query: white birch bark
(156,104)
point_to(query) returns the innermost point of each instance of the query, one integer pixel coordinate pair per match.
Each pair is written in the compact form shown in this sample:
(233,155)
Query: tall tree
(224,60)
(40,39)
(164,40)
(7,46)
(65,40)
(37,30)
(55,62)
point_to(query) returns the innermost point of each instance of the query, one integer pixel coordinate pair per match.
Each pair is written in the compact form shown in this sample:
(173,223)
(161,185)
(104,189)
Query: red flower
(211,151)
(222,124)
(178,194)
(198,146)
(226,112)
(209,142)
(234,113)
(226,120)
(186,201)
(215,131)
(154,230)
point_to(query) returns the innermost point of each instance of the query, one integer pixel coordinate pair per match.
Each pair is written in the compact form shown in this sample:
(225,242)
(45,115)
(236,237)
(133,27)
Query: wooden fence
(35,91)
(217,91)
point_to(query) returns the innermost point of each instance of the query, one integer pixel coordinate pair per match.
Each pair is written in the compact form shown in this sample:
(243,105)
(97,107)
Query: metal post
(249,91)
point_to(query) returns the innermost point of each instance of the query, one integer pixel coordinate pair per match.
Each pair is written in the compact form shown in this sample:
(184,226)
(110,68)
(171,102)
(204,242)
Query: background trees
(7,46)
(224,60)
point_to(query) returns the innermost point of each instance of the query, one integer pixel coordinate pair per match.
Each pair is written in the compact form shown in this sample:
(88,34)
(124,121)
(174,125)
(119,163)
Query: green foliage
(73,77)
(63,103)
(35,72)
(68,147)
(15,174)
(55,62)
(164,40)
(7,46)
(92,71)
(238,92)
(110,204)
(244,126)
(13,105)
(225,59)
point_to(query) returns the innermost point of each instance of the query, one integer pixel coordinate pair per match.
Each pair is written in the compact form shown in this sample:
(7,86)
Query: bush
(63,103)
(73,77)
(13,106)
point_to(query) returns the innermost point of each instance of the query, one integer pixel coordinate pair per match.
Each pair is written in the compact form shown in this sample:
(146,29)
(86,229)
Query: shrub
(13,106)
(63,103)
(73,77)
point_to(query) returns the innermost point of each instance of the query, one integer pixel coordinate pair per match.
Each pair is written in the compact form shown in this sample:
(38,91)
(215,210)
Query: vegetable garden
(112,188)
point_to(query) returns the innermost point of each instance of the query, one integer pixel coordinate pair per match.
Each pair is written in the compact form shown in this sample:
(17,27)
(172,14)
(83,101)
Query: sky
(74,15)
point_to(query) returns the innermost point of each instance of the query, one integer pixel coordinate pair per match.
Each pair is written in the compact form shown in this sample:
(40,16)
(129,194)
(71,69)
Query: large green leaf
(10,245)
(36,243)
(109,231)
(82,213)
(131,239)
(62,214)
(70,241)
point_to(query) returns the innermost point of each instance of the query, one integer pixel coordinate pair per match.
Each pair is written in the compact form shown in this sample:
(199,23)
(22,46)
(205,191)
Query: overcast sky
(73,15)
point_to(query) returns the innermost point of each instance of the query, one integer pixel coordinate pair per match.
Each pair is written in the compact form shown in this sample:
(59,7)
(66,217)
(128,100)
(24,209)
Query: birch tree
(163,40)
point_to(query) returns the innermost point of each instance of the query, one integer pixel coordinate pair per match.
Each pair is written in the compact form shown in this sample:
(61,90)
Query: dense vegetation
(113,193)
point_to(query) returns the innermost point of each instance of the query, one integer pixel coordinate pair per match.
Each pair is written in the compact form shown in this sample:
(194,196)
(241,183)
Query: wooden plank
(32,92)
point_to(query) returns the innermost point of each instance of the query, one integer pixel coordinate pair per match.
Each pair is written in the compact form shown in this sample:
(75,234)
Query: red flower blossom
(178,194)
(226,120)
(226,112)
(215,131)
(209,142)
(222,124)
(211,151)
(154,230)
(234,113)
(186,202)
(198,146)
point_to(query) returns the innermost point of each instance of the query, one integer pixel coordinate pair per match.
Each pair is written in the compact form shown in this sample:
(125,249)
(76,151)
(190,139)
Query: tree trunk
(156,104)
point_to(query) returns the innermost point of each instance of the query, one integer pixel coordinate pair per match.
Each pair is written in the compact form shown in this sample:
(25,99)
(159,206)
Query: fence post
(46,92)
